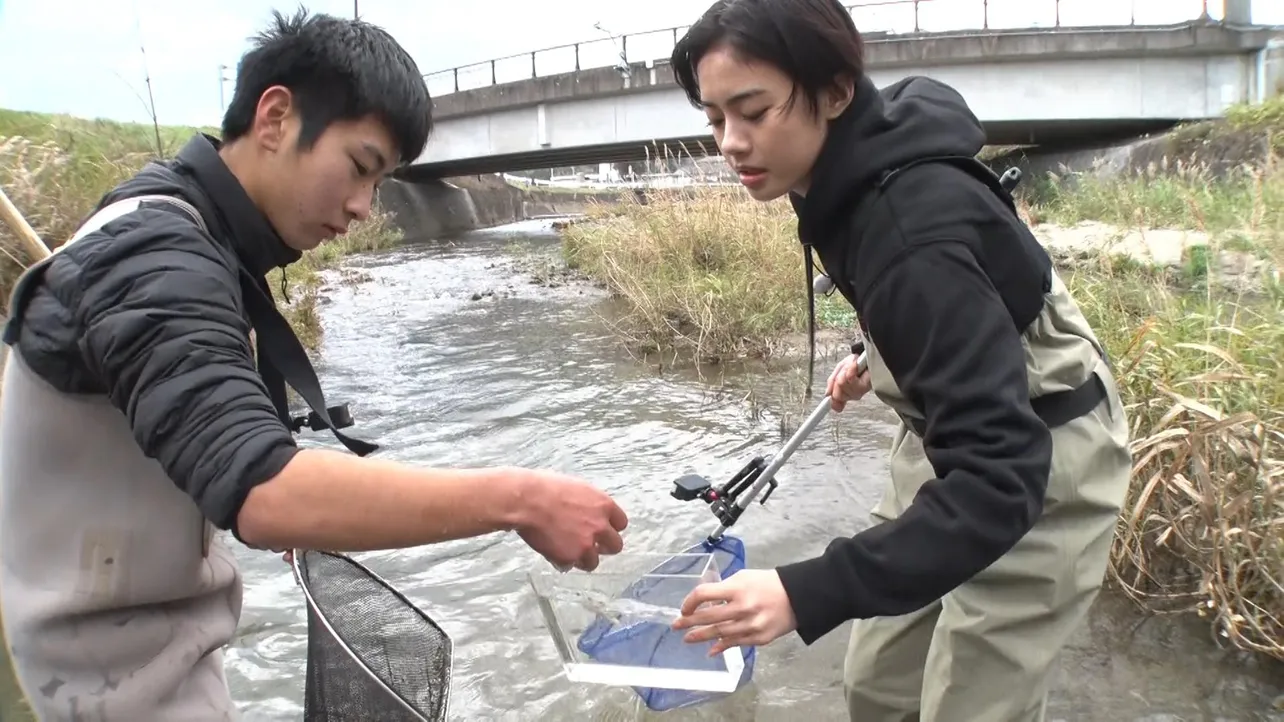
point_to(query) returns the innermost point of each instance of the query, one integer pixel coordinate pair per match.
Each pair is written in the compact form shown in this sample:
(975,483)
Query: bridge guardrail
(874,18)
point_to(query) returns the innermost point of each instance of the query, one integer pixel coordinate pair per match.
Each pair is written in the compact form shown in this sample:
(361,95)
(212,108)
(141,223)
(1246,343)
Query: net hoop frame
(298,555)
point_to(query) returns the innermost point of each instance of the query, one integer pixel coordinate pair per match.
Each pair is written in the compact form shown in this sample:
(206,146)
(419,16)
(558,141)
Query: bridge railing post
(876,10)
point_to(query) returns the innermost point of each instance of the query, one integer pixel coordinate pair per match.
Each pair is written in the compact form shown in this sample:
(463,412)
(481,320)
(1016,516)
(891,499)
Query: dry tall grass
(1203,378)
(55,190)
(702,274)
(1201,370)
(1203,374)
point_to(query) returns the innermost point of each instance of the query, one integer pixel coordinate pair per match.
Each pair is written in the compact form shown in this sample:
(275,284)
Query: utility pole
(222,105)
(354,10)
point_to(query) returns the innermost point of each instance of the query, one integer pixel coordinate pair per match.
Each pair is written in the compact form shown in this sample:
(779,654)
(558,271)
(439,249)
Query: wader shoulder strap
(289,361)
(126,206)
(23,287)
(281,357)
(1001,185)
(1056,408)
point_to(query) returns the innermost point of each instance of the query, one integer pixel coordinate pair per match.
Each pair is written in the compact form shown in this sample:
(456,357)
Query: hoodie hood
(881,130)
(199,176)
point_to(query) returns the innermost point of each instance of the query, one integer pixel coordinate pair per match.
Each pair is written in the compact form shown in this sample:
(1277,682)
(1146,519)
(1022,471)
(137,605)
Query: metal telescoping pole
(777,461)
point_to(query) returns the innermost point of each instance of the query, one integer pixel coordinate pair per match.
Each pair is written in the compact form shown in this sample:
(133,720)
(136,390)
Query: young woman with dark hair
(1011,461)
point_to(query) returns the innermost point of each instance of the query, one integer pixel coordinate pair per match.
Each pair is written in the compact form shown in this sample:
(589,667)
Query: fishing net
(372,655)
(654,643)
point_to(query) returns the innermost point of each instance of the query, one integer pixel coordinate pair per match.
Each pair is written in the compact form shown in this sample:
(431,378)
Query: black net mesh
(372,655)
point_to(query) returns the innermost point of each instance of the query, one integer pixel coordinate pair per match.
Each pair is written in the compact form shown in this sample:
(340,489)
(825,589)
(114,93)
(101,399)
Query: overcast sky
(83,56)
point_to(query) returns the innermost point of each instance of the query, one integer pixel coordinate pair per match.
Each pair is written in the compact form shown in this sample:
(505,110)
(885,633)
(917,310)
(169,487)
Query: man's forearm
(335,501)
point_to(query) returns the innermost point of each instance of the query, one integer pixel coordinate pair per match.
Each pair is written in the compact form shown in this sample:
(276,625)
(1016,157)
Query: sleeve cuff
(807,585)
(272,465)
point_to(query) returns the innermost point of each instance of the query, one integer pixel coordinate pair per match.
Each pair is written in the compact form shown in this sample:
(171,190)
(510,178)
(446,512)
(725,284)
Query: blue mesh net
(656,644)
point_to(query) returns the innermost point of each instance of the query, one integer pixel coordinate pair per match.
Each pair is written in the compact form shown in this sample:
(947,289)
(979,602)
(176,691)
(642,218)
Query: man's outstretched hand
(569,521)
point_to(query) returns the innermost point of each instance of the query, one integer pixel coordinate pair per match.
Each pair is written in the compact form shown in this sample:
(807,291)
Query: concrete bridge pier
(428,208)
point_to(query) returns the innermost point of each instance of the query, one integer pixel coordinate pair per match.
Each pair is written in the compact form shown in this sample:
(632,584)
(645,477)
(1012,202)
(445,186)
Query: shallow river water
(532,376)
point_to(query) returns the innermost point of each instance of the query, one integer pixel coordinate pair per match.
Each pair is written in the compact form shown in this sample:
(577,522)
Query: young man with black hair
(136,418)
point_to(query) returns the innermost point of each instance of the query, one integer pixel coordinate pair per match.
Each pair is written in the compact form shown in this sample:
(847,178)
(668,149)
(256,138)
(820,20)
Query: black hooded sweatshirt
(943,275)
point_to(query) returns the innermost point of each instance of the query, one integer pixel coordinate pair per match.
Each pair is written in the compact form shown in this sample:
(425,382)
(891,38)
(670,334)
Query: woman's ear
(838,96)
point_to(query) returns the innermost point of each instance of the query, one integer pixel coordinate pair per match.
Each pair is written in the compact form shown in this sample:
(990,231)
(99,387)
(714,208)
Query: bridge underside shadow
(1049,135)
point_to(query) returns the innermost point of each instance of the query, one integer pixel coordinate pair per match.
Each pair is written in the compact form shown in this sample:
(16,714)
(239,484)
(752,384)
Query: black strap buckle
(339,414)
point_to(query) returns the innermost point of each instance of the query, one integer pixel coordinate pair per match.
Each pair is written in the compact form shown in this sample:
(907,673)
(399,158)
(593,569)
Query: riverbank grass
(1223,179)
(56,168)
(707,274)
(1202,377)
(1200,362)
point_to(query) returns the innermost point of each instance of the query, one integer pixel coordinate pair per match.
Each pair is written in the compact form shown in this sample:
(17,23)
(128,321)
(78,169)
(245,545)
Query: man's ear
(838,96)
(273,117)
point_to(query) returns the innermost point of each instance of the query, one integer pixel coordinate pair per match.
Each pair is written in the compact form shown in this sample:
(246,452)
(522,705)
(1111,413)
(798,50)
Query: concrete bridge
(1045,84)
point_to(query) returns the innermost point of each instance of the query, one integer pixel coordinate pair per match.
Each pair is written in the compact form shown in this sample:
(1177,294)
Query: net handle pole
(778,460)
(23,230)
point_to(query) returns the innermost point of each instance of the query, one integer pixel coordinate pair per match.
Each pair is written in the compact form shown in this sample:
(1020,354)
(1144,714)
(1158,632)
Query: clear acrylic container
(613,626)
